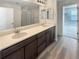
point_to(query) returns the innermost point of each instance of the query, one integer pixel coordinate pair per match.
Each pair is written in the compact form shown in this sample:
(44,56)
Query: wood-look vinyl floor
(66,48)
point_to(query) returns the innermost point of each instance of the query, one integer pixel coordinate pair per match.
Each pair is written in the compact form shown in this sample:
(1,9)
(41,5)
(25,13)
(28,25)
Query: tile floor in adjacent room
(66,48)
(70,30)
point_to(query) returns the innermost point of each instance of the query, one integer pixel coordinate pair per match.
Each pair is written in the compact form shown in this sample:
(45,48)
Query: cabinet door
(48,39)
(19,54)
(41,44)
(52,39)
(41,48)
(30,50)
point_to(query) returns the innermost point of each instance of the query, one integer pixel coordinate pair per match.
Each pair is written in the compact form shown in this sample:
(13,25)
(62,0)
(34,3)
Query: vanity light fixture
(42,1)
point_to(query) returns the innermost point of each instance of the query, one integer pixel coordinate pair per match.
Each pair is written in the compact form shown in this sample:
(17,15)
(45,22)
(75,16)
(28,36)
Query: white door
(70,21)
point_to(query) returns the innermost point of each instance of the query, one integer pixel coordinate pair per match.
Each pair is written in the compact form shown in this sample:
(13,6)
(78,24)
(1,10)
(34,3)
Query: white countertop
(8,40)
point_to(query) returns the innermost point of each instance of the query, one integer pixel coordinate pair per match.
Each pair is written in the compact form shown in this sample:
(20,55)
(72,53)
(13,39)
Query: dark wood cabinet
(52,34)
(41,44)
(41,48)
(19,54)
(30,50)
(40,41)
(31,47)
(48,37)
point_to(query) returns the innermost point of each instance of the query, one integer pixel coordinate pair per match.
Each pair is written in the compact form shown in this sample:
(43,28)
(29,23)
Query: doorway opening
(70,21)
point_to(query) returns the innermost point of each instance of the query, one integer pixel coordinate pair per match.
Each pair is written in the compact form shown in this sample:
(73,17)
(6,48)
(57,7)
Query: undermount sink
(44,25)
(18,35)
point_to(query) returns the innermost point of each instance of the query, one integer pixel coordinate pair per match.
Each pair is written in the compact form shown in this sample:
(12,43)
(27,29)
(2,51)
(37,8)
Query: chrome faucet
(16,30)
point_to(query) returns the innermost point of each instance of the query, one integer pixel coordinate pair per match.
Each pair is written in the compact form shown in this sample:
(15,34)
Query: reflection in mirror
(47,13)
(6,18)
(50,13)
(44,14)
(30,14)
(17,15)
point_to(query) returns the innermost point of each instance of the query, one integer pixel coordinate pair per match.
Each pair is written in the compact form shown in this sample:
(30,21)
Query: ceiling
(14,1)
(68,1)
(22,1)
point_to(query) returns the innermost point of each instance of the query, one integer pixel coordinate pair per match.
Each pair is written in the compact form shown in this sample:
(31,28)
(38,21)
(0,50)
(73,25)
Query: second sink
(18,35)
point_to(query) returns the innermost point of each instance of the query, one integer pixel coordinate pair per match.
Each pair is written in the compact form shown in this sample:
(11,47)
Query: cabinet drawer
(41,34)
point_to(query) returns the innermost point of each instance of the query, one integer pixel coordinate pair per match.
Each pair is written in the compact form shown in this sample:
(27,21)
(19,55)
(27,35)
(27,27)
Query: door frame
(68,6)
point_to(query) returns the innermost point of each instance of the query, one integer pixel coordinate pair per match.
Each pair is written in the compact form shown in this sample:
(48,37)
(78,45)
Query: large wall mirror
(47,14)
(21,14)
(30,14)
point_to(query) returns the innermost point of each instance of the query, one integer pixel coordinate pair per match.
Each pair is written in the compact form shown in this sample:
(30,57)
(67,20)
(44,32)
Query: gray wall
(59,17)
(60,5)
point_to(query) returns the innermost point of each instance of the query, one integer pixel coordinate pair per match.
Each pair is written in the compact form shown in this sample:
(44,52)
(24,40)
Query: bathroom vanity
(30,46)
